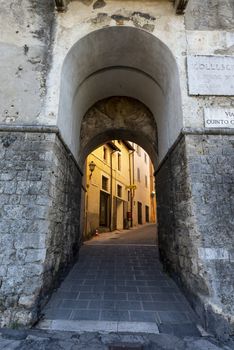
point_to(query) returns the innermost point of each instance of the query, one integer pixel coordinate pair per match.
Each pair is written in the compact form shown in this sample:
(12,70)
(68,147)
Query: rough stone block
(10,187)
(27,301)
(35,255)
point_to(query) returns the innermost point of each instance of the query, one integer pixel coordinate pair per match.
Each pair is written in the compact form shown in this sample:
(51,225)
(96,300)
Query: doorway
(139,213)
(104,209)
(146,213)
(120,214)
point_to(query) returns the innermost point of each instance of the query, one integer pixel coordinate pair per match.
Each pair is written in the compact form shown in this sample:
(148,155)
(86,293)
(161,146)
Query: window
(119,191)
(119,161)
(104,153)
(104,209)
(145,158)
(104,183)
(138,175)
(146,181)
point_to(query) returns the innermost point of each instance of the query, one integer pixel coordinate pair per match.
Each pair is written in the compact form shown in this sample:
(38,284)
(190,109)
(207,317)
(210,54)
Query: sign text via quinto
(211,75)
(219,118)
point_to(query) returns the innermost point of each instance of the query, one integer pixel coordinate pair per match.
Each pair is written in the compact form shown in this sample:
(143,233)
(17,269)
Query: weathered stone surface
(39,227)
(24,59)
(210,15)
(195,213)
(118,114)
(180,6)
(219,118)
(210,75)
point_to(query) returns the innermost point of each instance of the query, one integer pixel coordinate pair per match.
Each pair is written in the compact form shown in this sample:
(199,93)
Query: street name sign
(219,118)
(211,75)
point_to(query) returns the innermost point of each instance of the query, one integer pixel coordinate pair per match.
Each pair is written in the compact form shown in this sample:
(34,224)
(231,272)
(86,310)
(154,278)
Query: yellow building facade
(142,201)
(118,188)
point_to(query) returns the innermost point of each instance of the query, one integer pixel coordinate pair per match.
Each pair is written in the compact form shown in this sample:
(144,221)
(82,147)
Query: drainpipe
(111,191)
(86,201)
(130,183)
(131,178)
(86,212)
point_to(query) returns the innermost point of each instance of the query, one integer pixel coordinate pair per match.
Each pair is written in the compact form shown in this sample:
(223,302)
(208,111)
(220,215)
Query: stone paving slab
(121,283)
(99,326)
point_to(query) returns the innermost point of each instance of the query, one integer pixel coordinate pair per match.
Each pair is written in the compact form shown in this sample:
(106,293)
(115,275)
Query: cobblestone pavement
(41,340)
(122,282)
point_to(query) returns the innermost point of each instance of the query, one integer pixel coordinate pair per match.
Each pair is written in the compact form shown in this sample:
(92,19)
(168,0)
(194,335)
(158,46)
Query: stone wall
(39,226)
(25,45)
(195,214)
(210,15)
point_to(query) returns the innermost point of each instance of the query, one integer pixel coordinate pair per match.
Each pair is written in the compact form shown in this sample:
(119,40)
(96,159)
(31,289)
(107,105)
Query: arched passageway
(126,119)
(119,118)
(109,73)
(102,65)
(121,89)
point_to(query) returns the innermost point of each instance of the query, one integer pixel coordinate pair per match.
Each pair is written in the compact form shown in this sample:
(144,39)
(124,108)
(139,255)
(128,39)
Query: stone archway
(120,68)
(119,117)
(125,61)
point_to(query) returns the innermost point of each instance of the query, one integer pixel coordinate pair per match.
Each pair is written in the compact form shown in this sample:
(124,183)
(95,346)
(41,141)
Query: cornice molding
(180,5)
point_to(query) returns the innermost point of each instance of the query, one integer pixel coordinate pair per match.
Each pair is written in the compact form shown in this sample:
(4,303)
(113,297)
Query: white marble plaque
(211,75)
(219,118)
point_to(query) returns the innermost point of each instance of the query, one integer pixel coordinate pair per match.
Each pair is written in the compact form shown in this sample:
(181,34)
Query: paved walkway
(119,282)
(142,235)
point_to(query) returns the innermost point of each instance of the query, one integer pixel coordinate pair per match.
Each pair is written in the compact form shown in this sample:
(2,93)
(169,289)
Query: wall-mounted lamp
(92,166)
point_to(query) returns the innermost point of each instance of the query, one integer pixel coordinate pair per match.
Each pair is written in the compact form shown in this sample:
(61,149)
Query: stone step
(98,326)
